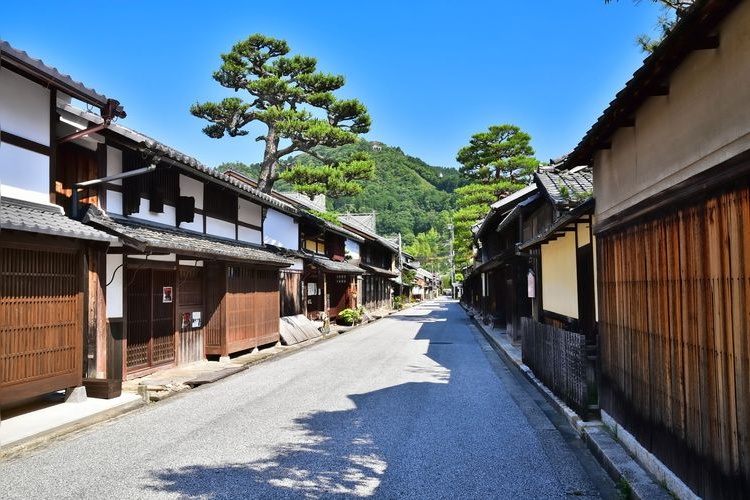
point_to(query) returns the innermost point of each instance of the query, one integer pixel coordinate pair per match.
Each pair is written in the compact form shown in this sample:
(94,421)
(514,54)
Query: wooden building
(377,258)
(497,283)
(191,278)
(671,165)
(329,280)
(51,301)
(559,340)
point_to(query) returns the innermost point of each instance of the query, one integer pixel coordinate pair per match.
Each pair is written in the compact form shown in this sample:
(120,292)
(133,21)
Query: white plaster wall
(114,163)
(115,288)
(353,248)
(220,228)
(24,174)
(168,217)
(248,212)
(702,122)
(584,234)
(24,107)
(298,265)
(248,235)
(162,258)
(196,225)
(280,230)
(559,276)
(191,263)
(194,188)
(114,202)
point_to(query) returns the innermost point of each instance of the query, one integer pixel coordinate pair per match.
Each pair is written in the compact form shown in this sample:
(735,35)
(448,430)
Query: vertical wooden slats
(41,314)
(558,358)
(674,317)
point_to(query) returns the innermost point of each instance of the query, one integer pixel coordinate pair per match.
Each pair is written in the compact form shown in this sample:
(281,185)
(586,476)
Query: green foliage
(287,94)
(339,178)
(409,196)
(408,276)
(326,216)
(671,11)
(349,317)
(503,152)
(473,204)
(431,250)
(398,302)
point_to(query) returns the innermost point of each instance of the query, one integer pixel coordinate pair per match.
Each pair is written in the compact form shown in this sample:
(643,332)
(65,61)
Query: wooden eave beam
(709,42)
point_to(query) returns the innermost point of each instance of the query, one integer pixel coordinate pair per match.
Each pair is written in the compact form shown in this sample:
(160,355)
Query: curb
(630,477)
(34,441)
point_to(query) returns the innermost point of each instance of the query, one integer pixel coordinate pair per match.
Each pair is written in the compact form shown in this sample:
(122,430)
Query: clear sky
(430,73)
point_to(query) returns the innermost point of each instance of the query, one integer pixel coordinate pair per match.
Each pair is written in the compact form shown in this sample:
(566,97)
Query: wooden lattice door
(41,314)
(150,318)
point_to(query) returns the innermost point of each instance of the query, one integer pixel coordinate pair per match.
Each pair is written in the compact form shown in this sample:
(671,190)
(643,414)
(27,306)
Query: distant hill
(408,195)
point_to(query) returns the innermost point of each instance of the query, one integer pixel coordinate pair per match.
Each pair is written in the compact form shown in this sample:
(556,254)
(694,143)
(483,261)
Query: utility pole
(450,256)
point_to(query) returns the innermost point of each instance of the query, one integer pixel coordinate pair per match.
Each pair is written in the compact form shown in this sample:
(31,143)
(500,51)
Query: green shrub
(398,302)
(348,317)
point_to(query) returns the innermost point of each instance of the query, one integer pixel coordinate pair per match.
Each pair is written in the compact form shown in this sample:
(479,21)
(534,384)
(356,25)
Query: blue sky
(431,74)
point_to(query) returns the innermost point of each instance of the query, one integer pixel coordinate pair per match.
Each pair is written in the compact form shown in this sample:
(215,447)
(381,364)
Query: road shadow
(387,445)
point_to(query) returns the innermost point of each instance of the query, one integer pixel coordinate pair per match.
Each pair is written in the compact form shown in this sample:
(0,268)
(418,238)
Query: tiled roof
(180,158)
(21,60)
(147,237)
(334,266)
(567,188)
(356,225)
(378,270)
(46,219)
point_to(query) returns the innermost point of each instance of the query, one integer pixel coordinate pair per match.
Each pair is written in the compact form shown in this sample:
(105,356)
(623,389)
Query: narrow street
(416,405)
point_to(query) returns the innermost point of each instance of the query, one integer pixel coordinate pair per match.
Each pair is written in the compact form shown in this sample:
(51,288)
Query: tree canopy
(672,10)
(503,152)
(296,102)
(497,163)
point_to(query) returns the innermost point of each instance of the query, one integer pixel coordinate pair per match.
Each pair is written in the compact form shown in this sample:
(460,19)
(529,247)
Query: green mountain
(408,195)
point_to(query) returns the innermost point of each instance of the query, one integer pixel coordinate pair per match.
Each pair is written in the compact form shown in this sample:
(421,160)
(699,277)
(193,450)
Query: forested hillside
(408,195)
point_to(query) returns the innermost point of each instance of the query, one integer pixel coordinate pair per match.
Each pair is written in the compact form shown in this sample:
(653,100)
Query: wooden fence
(558,358)
(674,317)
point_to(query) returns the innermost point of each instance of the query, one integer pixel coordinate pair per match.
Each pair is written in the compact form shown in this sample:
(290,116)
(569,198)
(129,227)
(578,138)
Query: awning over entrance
(335,266)
(162,238)
(378,270)
(29,217)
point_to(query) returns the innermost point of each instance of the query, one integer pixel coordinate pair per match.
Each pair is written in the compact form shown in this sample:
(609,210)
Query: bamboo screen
(41,314)
(674,315)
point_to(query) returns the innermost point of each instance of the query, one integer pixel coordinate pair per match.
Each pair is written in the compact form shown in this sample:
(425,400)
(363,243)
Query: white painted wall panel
(559,276)
(249,235)
(25,107)
(24,174)
(114,163)
(352,248)
(115,288)
(114,202)
(168,217)
(220,228)
(196,225)
(280,230)
(248,212)
(194,188)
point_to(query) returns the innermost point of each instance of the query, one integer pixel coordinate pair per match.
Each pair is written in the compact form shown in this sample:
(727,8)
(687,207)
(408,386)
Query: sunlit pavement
(416,405)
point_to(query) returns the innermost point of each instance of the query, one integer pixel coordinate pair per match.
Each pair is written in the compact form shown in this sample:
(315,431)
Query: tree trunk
(269,166)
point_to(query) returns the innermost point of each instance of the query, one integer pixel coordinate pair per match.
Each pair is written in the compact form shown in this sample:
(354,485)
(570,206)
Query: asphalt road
(416,405)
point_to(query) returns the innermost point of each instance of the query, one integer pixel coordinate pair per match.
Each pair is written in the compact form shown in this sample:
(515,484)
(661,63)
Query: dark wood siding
(150,320)
(190,297)
(674,303)
(41,320)
(291,293)
(247,314)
